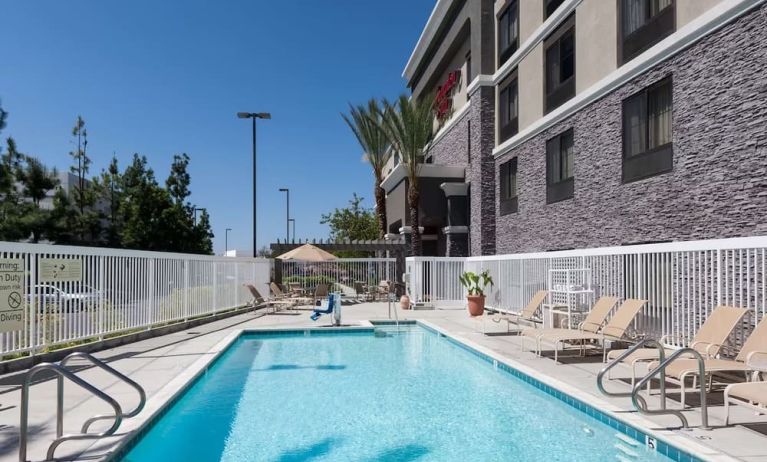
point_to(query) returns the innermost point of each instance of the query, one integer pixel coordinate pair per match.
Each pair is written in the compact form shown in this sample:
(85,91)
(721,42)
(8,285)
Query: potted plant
(475,285)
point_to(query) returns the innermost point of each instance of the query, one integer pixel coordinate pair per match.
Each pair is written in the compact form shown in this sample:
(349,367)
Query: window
(508,182)
(643,24)
(508,108)
(468,68)
(560,183)
(508,31)
(550,6)
(560,65)
(647,137)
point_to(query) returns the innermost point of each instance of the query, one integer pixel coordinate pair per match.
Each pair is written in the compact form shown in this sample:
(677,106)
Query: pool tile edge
(673,445)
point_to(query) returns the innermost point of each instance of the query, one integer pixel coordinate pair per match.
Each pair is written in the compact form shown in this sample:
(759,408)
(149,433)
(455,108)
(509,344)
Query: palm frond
(365,123)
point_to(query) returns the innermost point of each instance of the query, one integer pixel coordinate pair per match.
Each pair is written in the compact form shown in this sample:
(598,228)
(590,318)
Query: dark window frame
(655,29)
(560,189)
(652,161)
(510,128)
(505,52)
(547,10)
(564,90)
(508,172)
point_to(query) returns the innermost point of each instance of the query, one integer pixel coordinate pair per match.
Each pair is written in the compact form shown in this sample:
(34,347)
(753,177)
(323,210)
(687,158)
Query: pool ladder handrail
(648,342)
(641,404)
(101,364)
(62,372)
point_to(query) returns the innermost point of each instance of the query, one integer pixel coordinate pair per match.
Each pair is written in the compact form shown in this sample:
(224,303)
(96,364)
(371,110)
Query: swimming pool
(372,396)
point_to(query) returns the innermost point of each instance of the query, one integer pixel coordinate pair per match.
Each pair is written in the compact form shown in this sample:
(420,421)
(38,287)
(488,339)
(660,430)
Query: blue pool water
(363,397)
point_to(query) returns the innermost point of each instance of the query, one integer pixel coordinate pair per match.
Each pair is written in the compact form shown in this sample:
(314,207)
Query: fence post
(215,285)
(152,301)
(33,306)
(186,290)
(102,296)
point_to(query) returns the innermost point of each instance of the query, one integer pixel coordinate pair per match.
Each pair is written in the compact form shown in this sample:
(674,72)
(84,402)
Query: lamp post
(287,214)
(293,220)
(254,116)
(226,241)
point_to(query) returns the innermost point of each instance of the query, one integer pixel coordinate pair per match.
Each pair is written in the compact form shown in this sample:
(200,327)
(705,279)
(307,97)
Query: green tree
(3,117)
(409,125)
(354,222)
(36,180)
(366,124)
(142,207)
(109,191)
(203,235)
(12,208)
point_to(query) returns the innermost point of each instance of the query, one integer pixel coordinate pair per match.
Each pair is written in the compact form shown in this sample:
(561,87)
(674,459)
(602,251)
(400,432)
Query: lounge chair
(752,395)
(709,339)
(616,329)
(527,315)
(745,362)
(594,321)
(279,294)
(259,301)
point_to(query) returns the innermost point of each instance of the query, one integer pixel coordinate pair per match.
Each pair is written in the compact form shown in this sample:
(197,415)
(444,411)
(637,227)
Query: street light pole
(287,214)
(254,116)
(293,220)
(226,241)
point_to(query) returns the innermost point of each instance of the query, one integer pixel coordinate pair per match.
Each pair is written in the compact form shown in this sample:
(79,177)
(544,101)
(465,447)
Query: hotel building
(583,123)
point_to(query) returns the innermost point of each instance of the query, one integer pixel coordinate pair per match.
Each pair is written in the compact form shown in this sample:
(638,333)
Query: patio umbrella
(307,252)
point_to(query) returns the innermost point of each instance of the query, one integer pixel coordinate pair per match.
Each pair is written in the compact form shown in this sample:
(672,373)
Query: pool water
(393,396)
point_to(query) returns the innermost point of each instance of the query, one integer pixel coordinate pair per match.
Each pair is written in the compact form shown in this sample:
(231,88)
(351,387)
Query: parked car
(79,298)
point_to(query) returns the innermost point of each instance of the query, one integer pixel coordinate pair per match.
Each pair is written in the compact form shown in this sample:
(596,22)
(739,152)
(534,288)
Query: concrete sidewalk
(155,362)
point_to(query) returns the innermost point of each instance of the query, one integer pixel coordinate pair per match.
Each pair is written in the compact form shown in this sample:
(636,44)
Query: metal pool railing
(101,292)
(682,281)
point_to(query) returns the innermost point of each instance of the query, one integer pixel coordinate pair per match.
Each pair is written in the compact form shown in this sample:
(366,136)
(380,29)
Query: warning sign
(11,295)
(60,270)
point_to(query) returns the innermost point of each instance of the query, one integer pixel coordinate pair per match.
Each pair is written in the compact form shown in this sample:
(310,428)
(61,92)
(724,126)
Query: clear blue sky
(165,77)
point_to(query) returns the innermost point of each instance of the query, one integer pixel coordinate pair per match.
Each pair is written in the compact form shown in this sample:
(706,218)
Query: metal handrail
(642,344)
(61,372)
(97,362)
(641,404)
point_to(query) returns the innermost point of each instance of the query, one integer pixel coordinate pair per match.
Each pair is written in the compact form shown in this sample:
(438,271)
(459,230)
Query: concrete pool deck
(159,363)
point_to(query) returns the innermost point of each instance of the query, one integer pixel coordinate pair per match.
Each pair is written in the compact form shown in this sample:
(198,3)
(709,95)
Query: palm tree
(409,124)
(366,124)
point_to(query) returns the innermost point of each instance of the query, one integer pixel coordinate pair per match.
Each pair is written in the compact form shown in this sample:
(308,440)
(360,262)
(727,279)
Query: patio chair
(280,295)
(527,315)
(748,359)
(752,395)
(258,300)
(361,291)
(382,290)
(709,339)
(616,329)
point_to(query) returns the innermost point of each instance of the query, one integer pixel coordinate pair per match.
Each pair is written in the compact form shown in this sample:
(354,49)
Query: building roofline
(427,35)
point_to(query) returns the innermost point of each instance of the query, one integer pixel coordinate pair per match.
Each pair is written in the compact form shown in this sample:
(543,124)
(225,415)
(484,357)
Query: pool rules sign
(12,299)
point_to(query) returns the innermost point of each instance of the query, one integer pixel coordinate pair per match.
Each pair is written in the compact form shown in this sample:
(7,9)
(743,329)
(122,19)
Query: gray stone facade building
(717,187)
(588,123)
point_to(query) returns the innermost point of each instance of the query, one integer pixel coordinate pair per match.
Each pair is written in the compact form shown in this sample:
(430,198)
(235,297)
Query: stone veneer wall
(453,149)
(718,187)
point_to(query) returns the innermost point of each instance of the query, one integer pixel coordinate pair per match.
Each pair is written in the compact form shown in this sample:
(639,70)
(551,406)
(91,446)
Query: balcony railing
(682,281)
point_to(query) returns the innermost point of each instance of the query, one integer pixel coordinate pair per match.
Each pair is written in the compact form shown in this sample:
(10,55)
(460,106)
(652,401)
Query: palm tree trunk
(380,194)
(415,234)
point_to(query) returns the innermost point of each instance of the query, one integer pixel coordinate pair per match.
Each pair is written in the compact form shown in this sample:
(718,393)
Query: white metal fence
(344,272)
(121,291)
(682,281)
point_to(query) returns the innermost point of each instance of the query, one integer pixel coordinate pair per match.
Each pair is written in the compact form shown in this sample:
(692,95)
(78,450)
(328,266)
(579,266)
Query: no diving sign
(11,295)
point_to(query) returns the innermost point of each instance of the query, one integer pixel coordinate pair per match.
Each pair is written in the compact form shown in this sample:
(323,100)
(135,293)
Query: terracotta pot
(476,305)
(404,302)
